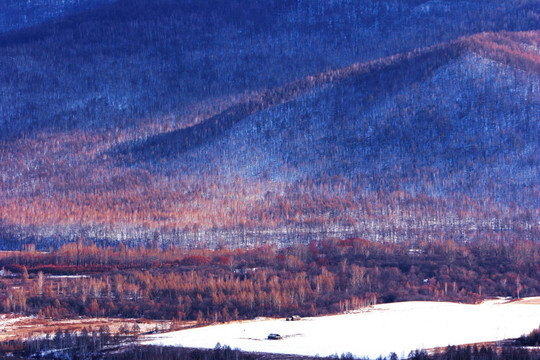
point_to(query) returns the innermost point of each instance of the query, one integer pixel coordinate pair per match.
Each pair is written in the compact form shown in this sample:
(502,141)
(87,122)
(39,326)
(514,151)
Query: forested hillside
(235,123)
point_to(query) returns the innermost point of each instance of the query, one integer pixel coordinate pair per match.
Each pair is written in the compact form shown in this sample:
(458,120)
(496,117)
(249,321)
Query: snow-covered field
(397,327)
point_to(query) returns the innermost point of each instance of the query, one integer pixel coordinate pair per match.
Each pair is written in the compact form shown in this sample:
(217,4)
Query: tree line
(225,284)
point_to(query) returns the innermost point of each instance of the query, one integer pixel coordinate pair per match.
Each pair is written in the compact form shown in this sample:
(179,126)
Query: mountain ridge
(223,121)
(484,44)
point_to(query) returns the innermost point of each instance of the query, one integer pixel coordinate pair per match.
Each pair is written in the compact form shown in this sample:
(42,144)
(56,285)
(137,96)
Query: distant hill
(186,122)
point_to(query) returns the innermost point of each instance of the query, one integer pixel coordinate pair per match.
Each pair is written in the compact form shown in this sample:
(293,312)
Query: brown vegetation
(222,285)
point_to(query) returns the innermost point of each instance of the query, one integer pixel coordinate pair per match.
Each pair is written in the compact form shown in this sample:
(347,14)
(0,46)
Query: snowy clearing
(385,328)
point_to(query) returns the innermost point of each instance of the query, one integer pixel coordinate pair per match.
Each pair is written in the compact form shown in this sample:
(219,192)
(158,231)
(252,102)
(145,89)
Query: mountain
(134,60)
(442,133)
(188,123)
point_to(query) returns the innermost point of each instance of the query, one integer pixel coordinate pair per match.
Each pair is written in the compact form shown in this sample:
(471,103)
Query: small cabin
(274,337)
(293,318)
(414,251)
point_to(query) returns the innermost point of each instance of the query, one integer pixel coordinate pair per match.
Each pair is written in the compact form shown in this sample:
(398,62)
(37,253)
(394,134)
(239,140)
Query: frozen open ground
(16,327)
(397,327)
